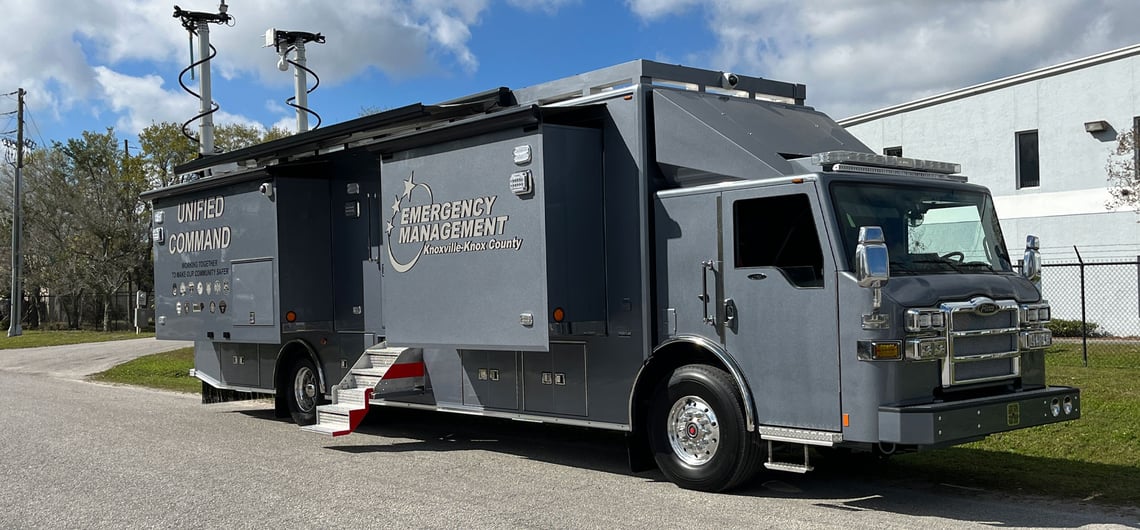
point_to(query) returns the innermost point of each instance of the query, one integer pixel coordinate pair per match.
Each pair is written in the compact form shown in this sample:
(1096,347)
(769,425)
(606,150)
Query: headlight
(1055,407)
(1067,405)
(1035,313)
(926,349)
(918,320)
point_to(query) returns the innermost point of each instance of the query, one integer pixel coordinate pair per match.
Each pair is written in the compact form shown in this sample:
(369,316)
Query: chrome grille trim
(965,322)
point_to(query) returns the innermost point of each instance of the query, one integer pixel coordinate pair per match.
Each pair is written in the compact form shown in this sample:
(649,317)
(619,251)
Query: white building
(1040,142)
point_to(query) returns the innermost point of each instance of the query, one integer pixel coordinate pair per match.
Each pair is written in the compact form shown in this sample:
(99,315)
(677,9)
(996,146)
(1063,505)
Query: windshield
(928,230)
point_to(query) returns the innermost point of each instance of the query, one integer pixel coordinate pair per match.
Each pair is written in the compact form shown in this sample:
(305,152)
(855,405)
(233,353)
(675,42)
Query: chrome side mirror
(1031,266)
(872,262)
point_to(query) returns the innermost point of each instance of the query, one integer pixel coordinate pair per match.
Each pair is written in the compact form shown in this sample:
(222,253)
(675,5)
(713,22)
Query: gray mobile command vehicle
(693,257)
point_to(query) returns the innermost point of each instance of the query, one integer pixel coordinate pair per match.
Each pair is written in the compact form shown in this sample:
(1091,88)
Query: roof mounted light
(829,159)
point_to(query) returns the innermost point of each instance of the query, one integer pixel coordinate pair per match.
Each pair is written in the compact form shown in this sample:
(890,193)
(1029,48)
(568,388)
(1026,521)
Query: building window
(893,151)
(1028,164)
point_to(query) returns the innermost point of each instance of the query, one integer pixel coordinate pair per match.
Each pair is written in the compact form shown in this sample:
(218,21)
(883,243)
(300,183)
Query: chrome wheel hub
(694,433)
(305,389)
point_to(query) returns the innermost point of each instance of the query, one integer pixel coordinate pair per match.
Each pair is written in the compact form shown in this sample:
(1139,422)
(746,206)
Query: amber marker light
(887,351)
(291,316)
(559,314)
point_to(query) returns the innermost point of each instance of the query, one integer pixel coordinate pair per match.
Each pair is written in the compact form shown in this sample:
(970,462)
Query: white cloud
(859,55)
(142,101)
(72,54)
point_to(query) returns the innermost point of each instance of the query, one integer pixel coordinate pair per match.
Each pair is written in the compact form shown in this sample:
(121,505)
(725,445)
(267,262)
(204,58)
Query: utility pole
(14,329)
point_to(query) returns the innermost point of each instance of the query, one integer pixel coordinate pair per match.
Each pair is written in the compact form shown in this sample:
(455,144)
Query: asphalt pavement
(77,361)
(85,455)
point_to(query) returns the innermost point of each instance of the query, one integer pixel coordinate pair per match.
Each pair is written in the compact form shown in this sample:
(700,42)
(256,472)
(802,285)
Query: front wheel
(303,391)
(698,431)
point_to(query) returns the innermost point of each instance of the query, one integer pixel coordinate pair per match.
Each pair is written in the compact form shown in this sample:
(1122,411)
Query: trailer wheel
(698,431)
(303,391)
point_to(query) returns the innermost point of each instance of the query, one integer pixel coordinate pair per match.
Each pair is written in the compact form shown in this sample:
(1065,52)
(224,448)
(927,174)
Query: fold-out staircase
(380,372)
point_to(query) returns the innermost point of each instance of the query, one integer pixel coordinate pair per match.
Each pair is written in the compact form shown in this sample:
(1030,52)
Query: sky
(94,64)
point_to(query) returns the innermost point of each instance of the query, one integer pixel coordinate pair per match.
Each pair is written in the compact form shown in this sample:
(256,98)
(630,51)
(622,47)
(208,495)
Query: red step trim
(403,370)
(356,416)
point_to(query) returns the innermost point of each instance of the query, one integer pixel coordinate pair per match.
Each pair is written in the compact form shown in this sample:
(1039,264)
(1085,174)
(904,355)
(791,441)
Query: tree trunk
(106,312)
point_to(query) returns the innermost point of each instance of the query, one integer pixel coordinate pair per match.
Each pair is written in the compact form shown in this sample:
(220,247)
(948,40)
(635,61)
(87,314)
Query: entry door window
(779,232)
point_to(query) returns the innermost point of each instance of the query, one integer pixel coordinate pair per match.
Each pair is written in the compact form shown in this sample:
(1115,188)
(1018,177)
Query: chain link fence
(1095,310)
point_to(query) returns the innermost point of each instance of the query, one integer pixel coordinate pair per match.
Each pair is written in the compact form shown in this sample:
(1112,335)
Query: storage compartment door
(464,256)
(253,294)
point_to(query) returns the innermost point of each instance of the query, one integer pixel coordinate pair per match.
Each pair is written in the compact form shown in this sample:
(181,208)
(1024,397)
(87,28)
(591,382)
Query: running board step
(788,466)
(799,436)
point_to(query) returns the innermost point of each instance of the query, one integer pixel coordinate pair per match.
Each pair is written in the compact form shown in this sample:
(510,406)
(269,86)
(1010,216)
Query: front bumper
(954,422)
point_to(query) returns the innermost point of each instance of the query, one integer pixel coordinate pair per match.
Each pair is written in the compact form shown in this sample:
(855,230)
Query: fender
(717,351)
(312,355)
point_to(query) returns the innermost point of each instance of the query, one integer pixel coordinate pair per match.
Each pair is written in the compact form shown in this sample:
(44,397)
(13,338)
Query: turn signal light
(880,351)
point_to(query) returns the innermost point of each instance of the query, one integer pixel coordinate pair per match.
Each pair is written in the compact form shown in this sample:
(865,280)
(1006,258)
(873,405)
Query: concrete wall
(979,131)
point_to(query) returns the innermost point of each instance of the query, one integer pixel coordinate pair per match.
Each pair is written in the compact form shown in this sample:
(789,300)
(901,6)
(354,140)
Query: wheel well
(288,355)
(663,362)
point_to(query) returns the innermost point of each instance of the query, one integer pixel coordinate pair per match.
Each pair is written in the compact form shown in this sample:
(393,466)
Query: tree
(1123,180)
(87,226)
(164,147)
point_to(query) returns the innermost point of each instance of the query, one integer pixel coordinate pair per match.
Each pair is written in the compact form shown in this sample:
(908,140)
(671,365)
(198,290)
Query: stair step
(339,409)
(383,348)
(382,360)
(323,429)
(352,397)
(785,466)
(332,418)
(370,372)
(366,381)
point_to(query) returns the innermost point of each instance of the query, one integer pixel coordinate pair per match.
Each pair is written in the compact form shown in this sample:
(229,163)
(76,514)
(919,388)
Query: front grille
(982,347)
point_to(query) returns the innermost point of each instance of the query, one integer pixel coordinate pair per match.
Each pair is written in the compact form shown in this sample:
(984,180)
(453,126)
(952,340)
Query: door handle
(707,266)
(730,313)
(757,276)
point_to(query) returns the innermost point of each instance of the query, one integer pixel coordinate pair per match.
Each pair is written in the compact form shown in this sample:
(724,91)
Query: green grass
(1096,457)
(168,371)
(35,339)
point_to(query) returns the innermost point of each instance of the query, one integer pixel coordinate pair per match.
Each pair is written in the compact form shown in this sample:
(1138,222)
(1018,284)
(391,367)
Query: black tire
(302,391)
(698,431)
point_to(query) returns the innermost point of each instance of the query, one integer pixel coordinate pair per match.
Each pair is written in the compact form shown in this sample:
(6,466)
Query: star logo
(409,185)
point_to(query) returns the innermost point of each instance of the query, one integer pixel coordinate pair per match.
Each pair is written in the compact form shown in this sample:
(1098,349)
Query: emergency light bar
(832,158)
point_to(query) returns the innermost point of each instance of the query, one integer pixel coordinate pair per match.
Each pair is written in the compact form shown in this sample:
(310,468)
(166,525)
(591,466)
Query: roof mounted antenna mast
(198,23)
(294,41)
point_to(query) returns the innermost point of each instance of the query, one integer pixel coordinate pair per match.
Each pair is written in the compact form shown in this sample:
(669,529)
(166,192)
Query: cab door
(779,317)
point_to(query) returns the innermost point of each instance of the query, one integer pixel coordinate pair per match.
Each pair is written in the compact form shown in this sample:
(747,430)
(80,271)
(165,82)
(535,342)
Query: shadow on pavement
(845,483)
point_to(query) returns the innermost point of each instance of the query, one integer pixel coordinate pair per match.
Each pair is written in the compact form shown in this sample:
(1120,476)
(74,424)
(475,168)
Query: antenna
(198,23)
(285,42)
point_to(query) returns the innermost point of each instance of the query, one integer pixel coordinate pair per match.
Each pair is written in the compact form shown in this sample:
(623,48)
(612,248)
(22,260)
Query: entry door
(780,316)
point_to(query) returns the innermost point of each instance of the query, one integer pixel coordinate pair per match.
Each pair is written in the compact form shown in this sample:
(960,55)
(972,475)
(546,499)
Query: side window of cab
(779,232)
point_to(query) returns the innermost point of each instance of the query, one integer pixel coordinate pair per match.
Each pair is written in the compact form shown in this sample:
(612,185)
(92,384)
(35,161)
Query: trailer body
(693,257)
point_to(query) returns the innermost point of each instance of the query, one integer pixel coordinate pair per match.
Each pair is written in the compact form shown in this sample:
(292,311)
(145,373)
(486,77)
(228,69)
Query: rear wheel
(303,391)
(698,431)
